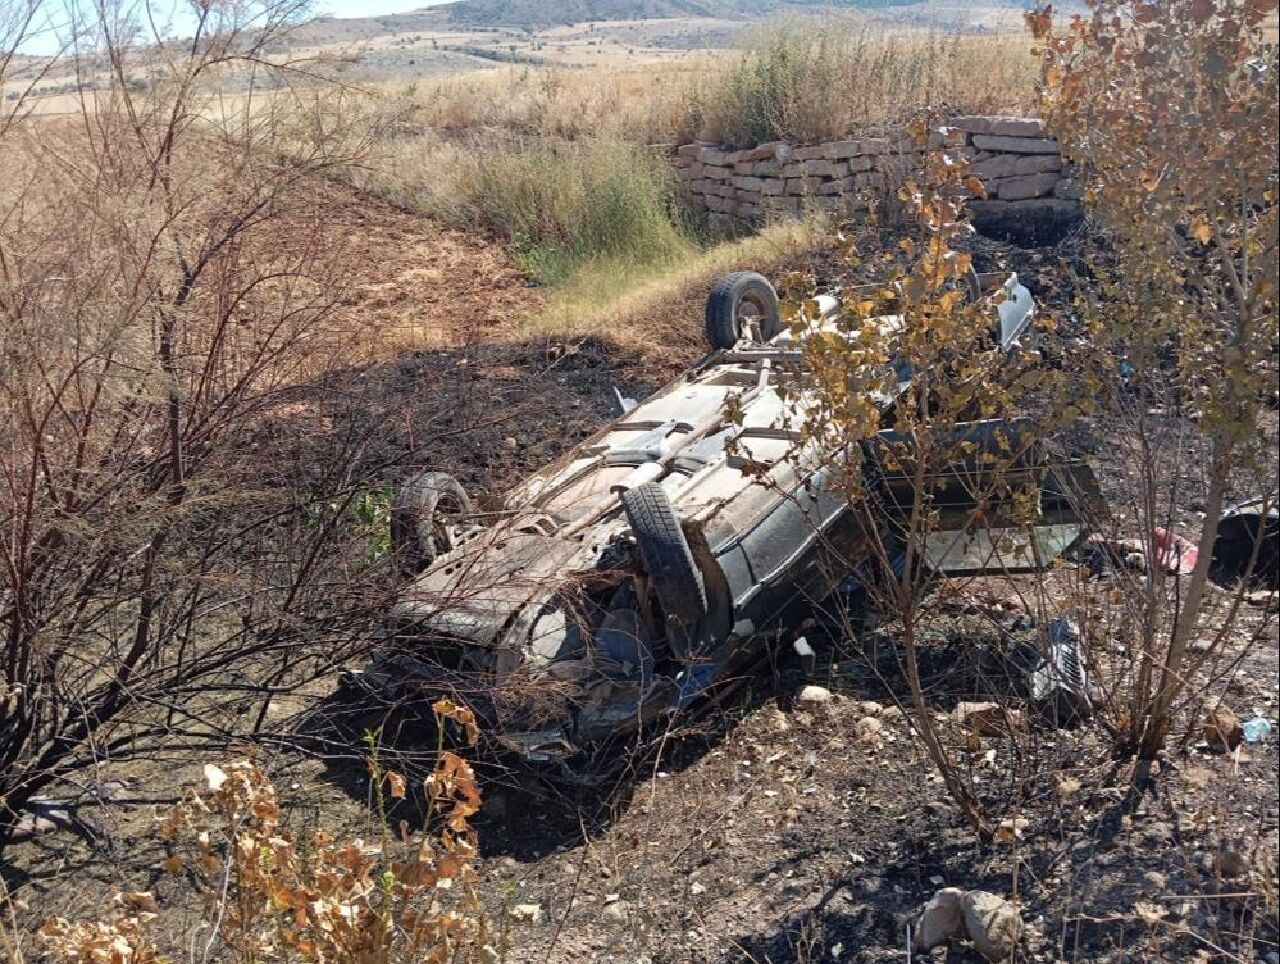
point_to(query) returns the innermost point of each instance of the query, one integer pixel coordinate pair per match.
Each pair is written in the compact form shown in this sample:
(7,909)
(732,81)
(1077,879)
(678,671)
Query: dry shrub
(811,81)
(270,896)
(1172,111)
(906,418)
(166,285)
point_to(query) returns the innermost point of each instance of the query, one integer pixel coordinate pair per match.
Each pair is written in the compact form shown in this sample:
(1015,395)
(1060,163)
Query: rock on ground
(814,694)
(941,920)
(993,924)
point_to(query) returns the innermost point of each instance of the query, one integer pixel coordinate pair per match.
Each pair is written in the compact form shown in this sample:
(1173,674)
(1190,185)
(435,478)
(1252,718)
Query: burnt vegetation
(270,528)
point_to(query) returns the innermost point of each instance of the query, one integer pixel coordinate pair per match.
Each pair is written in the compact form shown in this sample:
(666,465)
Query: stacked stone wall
(1019,164)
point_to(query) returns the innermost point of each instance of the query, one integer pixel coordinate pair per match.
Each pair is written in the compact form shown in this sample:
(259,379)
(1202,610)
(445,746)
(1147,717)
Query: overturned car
(621,583)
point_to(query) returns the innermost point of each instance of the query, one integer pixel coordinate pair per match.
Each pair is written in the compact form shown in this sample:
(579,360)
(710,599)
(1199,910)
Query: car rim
(448,509)
(749,315)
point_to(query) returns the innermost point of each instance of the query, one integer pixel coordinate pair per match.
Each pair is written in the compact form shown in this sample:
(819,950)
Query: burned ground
(771,828)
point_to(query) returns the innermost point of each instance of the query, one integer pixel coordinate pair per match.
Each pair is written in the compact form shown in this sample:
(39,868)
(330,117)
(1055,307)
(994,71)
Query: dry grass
(561,204)
(799,78)
(807,84)
(645,103)
(560,162)
(622,300)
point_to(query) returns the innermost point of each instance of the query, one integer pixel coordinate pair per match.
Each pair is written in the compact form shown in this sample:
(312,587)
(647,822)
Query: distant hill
(546,13)
(725,16)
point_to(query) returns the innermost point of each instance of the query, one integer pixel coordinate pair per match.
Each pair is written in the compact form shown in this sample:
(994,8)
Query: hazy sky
(45,40)
(371,8)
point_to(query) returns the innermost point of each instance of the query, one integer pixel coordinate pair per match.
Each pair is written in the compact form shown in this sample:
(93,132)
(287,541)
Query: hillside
(539,14)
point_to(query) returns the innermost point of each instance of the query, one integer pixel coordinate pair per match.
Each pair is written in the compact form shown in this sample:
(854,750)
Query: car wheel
(738,304)
(667,558)
(419,517)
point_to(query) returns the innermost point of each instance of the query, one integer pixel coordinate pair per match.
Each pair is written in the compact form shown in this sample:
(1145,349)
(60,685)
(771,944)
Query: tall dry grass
(561,204)
(641,103)
(812,82)
(806,78)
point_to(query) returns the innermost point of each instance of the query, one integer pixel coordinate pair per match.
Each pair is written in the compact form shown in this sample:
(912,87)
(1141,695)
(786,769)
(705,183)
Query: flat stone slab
(1016,145)
(1023,188)
(1017,165)
(1000,126)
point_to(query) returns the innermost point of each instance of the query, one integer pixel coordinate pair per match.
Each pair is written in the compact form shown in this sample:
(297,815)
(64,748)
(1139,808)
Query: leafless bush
(166,289)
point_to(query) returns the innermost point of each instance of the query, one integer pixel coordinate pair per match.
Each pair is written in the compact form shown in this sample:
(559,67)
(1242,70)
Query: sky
(372,8)
(45,39)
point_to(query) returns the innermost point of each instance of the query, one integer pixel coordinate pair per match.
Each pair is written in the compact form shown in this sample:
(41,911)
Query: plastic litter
(1176,553)
(1257,729)
(1058,682)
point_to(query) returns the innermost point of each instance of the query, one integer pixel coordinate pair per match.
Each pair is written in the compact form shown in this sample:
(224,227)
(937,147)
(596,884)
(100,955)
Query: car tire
(735,300)
(667,558)
(418,511)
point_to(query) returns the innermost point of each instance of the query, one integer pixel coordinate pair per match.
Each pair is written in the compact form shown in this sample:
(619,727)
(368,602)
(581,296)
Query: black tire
(667,558)
(734,301)
(418,533)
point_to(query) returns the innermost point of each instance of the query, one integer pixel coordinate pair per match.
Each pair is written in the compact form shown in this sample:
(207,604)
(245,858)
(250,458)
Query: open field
(410,48)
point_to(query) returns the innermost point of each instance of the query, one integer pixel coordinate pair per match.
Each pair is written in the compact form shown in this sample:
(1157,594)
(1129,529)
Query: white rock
(993,924)
(43,815)
(814,694)
(868,728)
(941,920)
(529,913)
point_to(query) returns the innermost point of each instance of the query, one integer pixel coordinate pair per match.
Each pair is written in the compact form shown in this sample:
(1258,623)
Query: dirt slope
(771,830)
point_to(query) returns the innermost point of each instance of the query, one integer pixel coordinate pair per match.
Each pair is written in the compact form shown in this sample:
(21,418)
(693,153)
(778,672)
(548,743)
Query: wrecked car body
(647,566)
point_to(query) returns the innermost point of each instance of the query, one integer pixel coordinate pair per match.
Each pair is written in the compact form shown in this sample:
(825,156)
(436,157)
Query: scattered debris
(1267,599)
(805,652)
(989,719)
(1067,787)
(43,815)
(1107,554)
(1176,554)
(1222,730)
(1256,730)
(993,924)
(1059,685)
(527,913)
(1010,829)
(624,403)
(941,920)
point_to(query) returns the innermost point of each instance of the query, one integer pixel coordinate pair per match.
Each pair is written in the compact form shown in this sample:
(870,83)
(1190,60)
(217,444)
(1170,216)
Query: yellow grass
(649,103)
(620,300)
(807,79)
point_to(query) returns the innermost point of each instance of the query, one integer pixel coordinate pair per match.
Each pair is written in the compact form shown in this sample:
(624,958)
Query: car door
(991,496)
